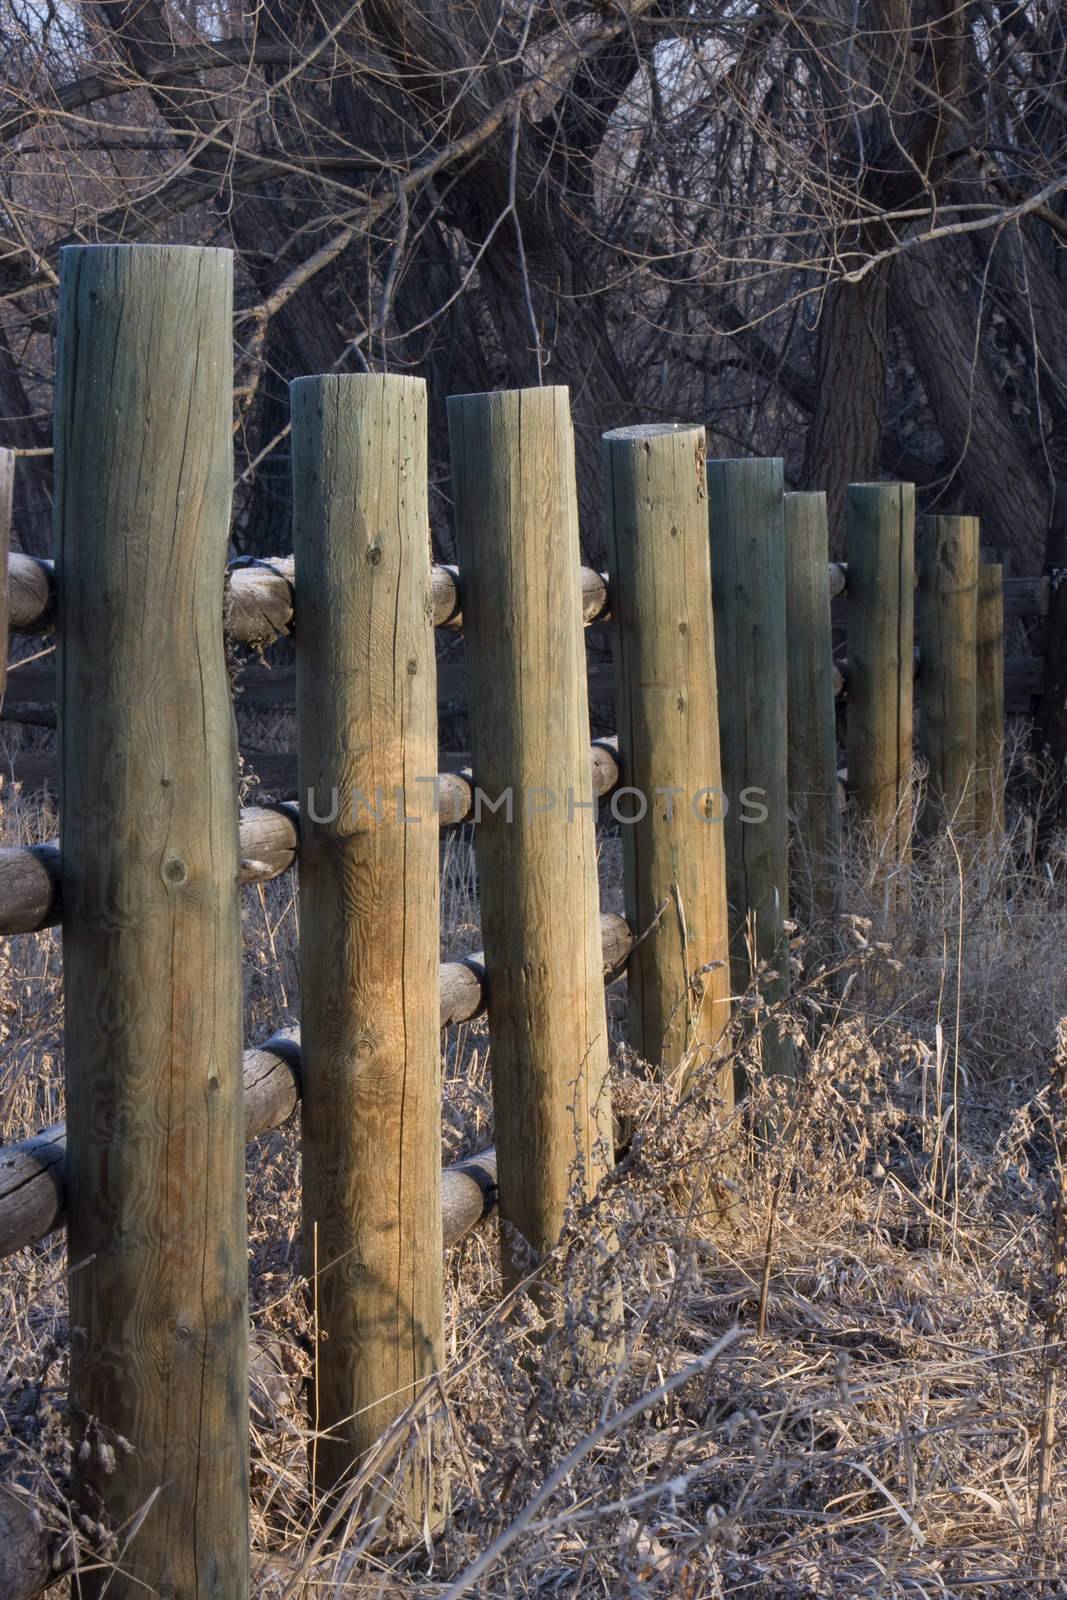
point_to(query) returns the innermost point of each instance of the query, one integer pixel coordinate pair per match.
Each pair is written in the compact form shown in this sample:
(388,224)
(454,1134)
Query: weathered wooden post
(7,491)
(668,722)
(517,530)
(748,585)
(989,717)
(948,619)
(880,527)
(151,933)
(369,934)
(812,757)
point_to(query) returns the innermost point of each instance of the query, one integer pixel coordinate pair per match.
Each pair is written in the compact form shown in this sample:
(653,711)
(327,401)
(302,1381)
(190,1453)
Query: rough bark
(845,438)
(998,478)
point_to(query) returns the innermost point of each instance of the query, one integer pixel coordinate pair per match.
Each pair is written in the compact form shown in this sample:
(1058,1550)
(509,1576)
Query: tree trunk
(998,477)
(845,440)
(32,527)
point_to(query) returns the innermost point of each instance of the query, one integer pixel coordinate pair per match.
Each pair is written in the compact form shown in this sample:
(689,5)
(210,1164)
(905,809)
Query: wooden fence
(148,1171)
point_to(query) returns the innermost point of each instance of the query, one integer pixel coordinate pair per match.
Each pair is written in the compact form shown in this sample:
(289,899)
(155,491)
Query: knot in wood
(175,871)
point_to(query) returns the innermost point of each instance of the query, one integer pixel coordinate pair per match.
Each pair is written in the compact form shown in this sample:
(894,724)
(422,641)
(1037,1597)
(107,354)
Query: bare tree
(832,231)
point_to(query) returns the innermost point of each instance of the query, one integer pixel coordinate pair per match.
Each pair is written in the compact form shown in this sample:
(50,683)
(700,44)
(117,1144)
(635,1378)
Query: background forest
(832,230)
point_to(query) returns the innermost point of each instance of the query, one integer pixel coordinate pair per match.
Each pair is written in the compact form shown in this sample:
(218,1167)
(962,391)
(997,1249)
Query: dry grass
(835,1390)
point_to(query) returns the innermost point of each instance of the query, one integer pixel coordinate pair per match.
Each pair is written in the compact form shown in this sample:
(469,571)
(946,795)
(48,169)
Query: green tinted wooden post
(948,620)
(812,765)
(668,722)
(880,527)
(517,531)
(369,933)
(151,929)
(989,716)
(748,585)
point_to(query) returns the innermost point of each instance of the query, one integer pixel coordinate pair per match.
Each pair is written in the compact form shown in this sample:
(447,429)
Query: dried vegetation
(838,1372)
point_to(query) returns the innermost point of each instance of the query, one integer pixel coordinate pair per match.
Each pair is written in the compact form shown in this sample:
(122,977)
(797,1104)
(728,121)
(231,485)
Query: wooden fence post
(151,933)
(948,619)
(668,722)
(989,742)
(7,492)
(812,719)
(880,527)
(517,531)
(369,933)
(748,586)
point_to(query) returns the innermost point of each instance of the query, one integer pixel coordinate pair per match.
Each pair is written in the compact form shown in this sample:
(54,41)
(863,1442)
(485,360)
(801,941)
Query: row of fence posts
(719,647)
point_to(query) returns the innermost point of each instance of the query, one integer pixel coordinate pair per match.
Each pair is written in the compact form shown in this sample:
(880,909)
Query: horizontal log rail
(32,1196)
(269,838)
(258,606)
(259,596)
(1023,597)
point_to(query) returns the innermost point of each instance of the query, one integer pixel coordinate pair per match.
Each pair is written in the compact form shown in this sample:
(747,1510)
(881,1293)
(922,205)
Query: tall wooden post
(517,530)
(989,717)
(369,934)
(7,492)
(151,933)
(880,527)
(668,722)
(748,585)
(812,760)
(948,619)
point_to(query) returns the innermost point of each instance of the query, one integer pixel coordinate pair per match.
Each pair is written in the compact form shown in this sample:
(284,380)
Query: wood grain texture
(33,1189)
(33,1194)
(748,586)
(815,866)
(948,620)
(367,723)
(517,531)
(151,936)
(31,593)
(880,526)
(673,850)
(30,890)
(989,701)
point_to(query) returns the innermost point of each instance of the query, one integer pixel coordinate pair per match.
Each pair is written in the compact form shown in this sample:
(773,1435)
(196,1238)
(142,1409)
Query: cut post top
(650,430)
(69,251)
(354,381)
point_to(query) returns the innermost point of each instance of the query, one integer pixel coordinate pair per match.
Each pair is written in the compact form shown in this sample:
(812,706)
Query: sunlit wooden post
(369,935)
(517,531)
(151,931)
(668,722)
